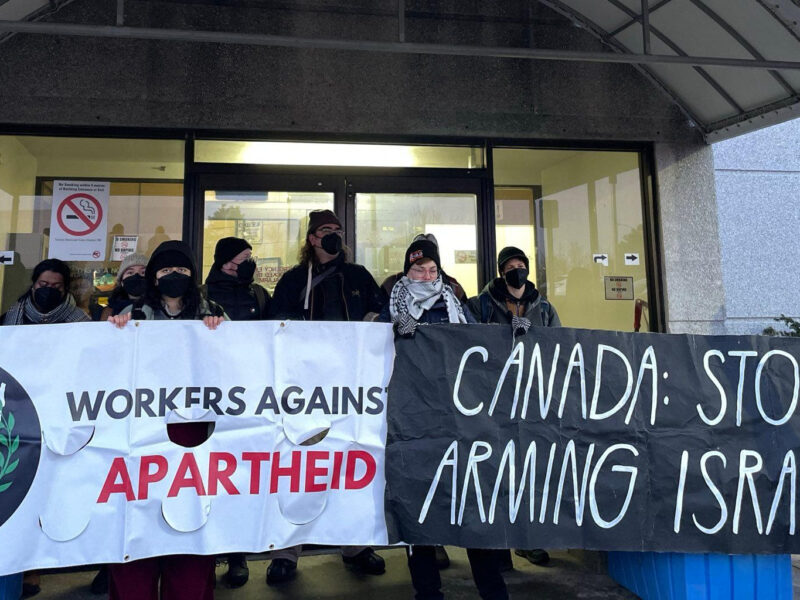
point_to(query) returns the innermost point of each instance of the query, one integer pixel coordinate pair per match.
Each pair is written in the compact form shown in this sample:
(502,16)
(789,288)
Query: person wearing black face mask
(47,300)
(171,293)
(130,285)
(513,300)
(325,287)
(230,281)
(171,290)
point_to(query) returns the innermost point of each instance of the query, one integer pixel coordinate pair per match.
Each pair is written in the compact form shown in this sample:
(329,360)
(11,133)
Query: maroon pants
(182,576)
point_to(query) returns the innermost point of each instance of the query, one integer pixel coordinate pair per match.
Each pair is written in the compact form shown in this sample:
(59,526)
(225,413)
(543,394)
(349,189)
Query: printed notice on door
(78,221)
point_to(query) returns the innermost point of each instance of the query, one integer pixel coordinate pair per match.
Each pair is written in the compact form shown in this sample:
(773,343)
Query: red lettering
(188,476)
(336,476)
(224,476)
(350,481)
(118,469)
(255,459)
(313,471)
(146,477)
(292,471)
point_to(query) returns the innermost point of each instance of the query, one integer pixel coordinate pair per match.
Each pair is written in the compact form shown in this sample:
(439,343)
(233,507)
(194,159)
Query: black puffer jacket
(241,300)
(350,288)
(490,305)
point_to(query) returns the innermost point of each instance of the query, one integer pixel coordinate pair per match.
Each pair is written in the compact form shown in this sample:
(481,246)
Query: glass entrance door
(381,215)
(271,213)
(390,211)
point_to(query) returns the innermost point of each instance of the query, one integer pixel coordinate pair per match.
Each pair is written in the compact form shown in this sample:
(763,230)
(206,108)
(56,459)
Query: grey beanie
(131,261)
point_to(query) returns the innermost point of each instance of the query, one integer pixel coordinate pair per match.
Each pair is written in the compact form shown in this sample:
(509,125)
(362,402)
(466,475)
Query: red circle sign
(79,214)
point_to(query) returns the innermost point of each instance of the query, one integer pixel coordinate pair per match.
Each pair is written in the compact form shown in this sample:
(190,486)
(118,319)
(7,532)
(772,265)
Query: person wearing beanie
(171,290)
(325,286)
(513,300)
(422,297)
(512,296)
(389,282)
(230,281)
(172,293)
(129,285)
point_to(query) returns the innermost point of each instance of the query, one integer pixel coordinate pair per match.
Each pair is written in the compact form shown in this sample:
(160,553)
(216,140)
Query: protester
(513,300)
(422,297)
(389,282)
(46,301)
(171,293)
(171,290)
(325,286)
(230,281)
(129,286)
(230,284)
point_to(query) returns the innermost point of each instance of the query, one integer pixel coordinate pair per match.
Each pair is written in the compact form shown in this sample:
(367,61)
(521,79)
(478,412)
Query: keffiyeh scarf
(413,298)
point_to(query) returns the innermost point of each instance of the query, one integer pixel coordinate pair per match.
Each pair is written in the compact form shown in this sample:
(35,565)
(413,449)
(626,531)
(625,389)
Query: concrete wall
(758,192)
(692,263)
(104,82)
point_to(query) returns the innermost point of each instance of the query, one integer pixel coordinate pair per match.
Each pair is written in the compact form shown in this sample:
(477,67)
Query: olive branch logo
(8,442)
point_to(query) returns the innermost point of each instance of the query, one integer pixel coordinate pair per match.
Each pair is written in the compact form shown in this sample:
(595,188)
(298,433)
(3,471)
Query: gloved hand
(406,326)
(520,325)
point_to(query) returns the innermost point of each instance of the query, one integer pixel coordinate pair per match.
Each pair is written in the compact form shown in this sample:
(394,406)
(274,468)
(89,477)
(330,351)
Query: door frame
(344,183)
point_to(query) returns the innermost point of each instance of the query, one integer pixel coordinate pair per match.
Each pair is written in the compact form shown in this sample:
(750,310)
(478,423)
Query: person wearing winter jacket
(48,300)
(230,281)
(325,286)
(513,300)
(172,292)
(420,298)
(389,282)
(511,297)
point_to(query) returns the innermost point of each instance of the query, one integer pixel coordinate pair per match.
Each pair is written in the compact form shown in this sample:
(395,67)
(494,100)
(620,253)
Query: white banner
(79,220)
(89,473)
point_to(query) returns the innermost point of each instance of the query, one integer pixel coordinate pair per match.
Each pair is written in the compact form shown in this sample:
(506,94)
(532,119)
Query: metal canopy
(732,66)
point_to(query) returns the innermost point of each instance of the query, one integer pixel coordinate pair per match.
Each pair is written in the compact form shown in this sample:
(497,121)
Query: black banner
(589,439)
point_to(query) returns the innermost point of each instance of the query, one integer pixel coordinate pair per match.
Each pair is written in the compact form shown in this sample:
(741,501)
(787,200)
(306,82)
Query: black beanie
(419,250)
(172,253)
(509,252)
(228,248)
(318,218)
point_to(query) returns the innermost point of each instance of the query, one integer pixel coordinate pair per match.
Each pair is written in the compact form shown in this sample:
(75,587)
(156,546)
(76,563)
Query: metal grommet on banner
(283,324)
(126,557)
(272,546)
(136,323)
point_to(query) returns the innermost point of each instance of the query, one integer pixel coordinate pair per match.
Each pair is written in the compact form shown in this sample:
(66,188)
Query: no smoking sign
(79,214)
(78,221)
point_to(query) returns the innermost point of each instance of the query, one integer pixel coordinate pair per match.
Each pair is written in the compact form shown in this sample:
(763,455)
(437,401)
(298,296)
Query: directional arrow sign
(631,259)
(600,259)
(6,257)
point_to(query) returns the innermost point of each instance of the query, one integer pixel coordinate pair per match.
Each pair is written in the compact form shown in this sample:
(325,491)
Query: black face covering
(47,298)
(516,278)
(174,285)
(245,270)
(133,285)
(332,243)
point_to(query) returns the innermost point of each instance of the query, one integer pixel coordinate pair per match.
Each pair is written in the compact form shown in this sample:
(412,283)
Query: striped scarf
(66,312)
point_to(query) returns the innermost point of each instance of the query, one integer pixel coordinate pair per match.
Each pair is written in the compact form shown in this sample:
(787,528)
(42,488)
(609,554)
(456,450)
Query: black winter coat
(240,300)
(490,306)
(356,290)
